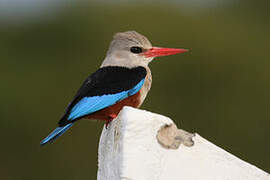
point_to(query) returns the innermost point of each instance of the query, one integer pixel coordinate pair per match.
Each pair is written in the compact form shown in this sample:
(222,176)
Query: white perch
(129,150)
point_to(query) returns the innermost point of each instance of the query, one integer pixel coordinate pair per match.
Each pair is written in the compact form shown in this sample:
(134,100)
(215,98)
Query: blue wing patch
(88,105)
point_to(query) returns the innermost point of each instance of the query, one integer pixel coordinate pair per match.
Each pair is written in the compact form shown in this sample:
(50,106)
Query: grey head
(126,49)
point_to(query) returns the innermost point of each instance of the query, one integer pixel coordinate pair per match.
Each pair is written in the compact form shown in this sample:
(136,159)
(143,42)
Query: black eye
(136,49)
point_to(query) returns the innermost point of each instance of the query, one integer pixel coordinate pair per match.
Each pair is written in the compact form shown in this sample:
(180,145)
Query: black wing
(105,81)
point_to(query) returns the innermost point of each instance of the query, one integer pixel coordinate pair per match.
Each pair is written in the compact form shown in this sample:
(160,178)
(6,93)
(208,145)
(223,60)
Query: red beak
(158,51)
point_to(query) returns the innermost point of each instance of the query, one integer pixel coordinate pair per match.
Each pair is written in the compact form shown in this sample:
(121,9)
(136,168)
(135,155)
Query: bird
(123,79)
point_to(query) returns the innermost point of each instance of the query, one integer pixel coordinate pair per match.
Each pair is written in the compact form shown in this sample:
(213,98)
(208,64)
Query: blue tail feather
(56,133)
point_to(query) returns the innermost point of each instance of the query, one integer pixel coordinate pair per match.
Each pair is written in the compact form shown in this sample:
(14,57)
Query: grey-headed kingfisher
(123,79)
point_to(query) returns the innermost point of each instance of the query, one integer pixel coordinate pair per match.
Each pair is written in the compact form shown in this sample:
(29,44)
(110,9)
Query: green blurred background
(219,89)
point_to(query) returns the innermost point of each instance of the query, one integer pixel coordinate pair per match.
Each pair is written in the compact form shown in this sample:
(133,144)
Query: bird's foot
(111,117)
(170,137)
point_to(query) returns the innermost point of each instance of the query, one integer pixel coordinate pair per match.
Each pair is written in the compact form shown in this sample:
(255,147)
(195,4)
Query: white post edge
(129,150)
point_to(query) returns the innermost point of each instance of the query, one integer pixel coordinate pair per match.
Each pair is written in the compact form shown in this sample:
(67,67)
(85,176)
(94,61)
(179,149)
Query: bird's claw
(107,123)
(111,117)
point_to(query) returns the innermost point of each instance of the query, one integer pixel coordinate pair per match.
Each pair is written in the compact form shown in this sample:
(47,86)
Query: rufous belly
(107,113)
